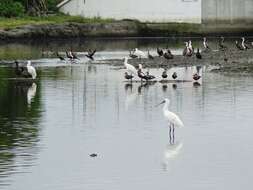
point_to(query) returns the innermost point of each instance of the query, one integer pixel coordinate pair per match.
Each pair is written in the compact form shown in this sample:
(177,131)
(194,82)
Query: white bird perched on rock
(139,53)
(31,70)
(130,68)
(172,118)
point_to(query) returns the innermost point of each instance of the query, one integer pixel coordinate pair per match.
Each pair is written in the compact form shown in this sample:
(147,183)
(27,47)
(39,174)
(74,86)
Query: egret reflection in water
(31,93)
(170,153)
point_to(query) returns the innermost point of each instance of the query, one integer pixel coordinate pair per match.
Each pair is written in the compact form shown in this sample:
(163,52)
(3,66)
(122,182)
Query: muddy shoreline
(124,28)
(237,61)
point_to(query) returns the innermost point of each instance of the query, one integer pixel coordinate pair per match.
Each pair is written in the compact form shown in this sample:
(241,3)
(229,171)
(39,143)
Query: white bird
(31,70)
(139,53)
(130,68)
(172,118)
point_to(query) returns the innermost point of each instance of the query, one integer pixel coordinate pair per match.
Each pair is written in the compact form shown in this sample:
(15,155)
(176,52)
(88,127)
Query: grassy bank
(10,23)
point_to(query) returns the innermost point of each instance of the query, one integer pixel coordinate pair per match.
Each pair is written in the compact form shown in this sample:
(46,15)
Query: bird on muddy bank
(168,55)
(129,76)
(69,55)
(164,74)
(59,56)
(144,76)
(196,76)
(90,54)
(132,55)
(159,52)
(191,48)
(245,46)
(221,44)
(238,46)
(74,55)
(21,71)
(174,75)
(205,44)
(150,56)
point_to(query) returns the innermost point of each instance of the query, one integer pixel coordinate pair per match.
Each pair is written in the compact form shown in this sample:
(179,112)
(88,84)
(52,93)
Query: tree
(36,7)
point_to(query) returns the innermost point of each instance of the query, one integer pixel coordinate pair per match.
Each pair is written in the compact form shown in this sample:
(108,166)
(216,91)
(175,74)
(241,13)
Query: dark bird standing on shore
(146,77)
(164,74)
(168,55)
(205,44)
(21,71)
(198,55)
(91,54)
(74,55)
(159,52)
(69,55)
(128,76)
(59,56)
(238,46)
(150,56)
(196,76)
(174,75)
(133,56)
(222,46)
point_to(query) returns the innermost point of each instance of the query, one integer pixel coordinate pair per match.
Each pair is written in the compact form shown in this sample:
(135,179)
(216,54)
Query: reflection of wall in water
(227,11)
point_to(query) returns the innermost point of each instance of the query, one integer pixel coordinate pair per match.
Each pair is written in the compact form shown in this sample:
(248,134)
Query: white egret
(172,118)
(31,70)
(130,68)
(139,53)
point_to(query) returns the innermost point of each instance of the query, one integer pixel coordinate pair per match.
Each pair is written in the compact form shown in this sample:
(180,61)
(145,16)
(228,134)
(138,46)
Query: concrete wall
(227,11)
(152,11)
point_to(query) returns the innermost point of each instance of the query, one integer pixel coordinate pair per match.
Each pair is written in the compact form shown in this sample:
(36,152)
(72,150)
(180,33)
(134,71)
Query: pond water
(48,130)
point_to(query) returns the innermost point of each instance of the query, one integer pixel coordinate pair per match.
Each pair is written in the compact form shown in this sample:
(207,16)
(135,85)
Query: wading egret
(31,70)
(172,119)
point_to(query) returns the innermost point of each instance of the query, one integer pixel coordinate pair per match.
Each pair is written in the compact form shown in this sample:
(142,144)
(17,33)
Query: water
(49,129)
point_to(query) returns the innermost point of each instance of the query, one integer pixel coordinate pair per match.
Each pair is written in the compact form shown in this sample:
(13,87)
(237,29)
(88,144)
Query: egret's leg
(170,133)
(173,132)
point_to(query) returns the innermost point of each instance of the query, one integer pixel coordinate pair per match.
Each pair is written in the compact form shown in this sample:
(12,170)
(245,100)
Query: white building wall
(143,10)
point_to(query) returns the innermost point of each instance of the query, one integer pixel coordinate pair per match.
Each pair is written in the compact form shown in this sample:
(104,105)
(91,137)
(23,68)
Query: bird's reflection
(164,87)
(196,84)
(145,85)
(31,92)
(130,95)
(92,68)
(171,152)
(174,86)
(129,87)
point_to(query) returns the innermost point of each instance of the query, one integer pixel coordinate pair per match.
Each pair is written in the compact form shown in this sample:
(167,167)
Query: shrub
(9,8)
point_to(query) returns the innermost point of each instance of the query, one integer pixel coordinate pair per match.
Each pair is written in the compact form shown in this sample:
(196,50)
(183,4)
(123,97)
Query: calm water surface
(48,130)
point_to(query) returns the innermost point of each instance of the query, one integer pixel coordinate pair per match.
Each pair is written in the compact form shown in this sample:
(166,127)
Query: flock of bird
(188,51)
(131,71)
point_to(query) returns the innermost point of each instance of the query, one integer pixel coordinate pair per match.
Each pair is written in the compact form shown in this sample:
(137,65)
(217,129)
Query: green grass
(10,23)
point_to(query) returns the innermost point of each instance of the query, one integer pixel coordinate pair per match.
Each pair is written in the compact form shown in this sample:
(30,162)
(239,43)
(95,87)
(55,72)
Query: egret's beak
(160,103)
